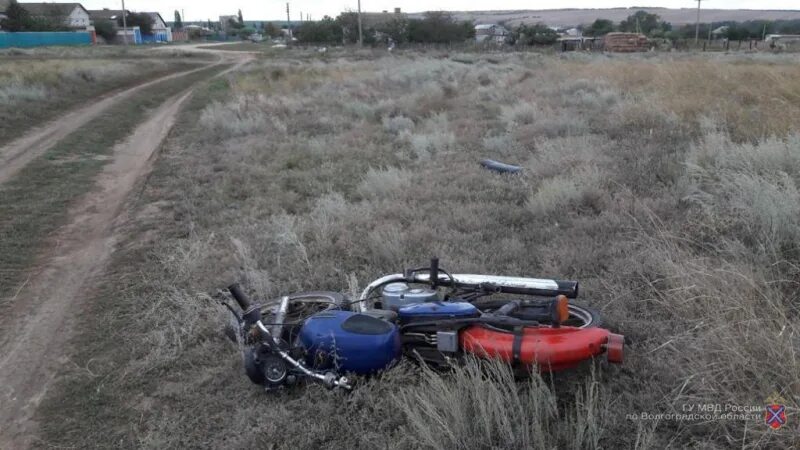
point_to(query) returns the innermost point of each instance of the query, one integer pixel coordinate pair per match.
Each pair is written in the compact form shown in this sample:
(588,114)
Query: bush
(105,29)
(646,23)
(439,28)
(539,34)
(599,27)
(748,190)
(397,124)
(245,32)
(141,20)
(325,31)
(19,19)
(272,30)
(560,194)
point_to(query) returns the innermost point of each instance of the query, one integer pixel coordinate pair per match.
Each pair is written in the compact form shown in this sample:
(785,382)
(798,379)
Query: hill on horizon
(575,16)
(571,17)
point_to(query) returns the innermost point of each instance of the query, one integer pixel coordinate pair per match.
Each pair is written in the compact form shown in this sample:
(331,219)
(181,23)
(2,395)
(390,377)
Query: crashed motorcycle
(425,313)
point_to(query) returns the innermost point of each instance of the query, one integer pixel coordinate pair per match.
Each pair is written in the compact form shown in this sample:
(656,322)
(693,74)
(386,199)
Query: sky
(195,10)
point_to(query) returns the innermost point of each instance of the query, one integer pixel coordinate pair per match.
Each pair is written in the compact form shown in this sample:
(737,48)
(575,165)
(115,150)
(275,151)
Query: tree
(395,29)
(17,18)
(272,30)
(349,22)
(325,31)
(141,20)
(538,34)
(105,29)
(178,21)
(645,23)
(439,27)
(244,32)
(599,27)
(241,19)
(234,24)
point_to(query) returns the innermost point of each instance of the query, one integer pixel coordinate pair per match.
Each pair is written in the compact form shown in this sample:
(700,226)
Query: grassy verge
(35,100)
(240,47)
(643,178)
(34,203)
(34,90)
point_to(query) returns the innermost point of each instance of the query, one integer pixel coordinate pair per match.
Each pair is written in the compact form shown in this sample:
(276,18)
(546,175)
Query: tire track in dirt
(23,150)
(40,321)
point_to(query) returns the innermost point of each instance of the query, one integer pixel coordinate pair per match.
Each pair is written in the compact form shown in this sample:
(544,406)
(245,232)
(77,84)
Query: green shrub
(105,29)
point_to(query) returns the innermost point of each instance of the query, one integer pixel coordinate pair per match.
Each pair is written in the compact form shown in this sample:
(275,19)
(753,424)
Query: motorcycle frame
(496,283)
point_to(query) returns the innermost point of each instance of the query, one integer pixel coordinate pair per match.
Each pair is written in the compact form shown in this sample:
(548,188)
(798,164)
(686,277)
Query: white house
(161,32)
(490,32)
(70,15)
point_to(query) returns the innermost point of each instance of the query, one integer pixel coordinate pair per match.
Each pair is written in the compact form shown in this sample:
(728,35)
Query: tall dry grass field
(669,186)
(37,85)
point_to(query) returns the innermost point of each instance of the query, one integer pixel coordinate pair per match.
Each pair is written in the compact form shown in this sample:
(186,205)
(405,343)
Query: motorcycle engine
(396,295)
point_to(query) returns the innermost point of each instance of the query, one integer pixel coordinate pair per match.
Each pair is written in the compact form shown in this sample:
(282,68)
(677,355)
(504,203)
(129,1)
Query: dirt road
(42,315)
(20,152)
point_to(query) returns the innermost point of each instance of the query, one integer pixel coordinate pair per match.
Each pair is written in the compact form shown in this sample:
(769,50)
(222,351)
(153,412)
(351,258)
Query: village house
(160,31)
(377,19)
(69,15)
(112,15)
(490,32)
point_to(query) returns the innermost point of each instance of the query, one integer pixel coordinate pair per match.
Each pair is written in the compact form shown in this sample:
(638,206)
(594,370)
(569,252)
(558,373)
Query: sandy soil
(43,311)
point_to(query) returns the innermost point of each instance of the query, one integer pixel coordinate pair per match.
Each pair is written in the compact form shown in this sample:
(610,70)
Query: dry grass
(37,87)
(642,179)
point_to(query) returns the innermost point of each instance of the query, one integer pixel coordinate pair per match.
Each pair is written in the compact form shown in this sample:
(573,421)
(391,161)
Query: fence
(180,36)
(45,38)
(130,36)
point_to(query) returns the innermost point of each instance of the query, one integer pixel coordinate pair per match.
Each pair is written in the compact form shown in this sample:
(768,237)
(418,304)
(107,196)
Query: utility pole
(697,25)
(288,23)
(124,24)
(360,34)
(183,16)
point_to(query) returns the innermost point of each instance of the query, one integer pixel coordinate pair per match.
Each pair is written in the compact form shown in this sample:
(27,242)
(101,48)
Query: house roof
(51,9)
(374,19)
(106,14)
(156,17)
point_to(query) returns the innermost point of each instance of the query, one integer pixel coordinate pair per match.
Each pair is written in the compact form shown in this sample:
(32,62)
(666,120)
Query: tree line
(652,26)
(441,27)
(435,27)
(19,19)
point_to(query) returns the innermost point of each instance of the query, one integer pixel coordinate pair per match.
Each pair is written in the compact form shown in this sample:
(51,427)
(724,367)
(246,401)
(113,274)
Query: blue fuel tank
(436,310)
(350,342)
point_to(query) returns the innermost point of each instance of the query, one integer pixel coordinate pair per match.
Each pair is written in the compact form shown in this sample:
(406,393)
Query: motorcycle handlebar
(239,296)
